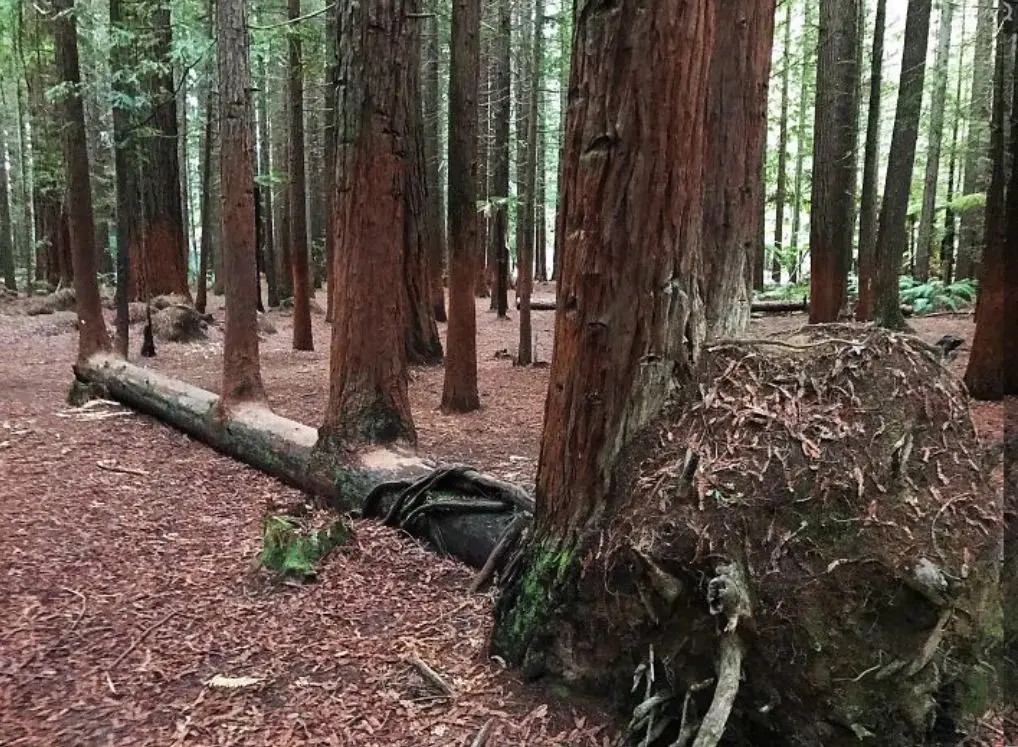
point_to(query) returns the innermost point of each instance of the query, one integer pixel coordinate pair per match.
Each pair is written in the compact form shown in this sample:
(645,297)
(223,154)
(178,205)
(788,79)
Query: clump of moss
(292,548)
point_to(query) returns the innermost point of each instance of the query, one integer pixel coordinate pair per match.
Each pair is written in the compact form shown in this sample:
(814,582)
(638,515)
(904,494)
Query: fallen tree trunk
(757,307)
(287,450)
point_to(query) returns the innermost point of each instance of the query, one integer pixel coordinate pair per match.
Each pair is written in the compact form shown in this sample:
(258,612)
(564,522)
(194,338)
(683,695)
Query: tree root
(729,671)
(505,542)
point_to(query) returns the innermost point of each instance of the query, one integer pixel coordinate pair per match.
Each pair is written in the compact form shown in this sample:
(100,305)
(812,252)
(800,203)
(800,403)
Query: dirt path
(128,581)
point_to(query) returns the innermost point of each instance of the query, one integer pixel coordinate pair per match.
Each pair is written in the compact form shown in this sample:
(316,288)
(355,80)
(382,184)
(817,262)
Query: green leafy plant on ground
(291,547)
(934,295)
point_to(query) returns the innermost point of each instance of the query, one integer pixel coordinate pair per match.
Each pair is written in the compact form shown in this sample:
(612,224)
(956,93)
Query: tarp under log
(458,510)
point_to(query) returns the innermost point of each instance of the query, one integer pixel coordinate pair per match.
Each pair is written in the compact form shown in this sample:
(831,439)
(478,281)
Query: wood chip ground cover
(128,581)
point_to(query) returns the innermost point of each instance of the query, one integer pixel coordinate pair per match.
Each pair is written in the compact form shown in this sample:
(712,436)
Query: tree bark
(207,216)
(528,201)
(432,144)
(330,135)
(733,171)
(832,209)
(242,381)
(977,141)
(524,49)
(499,191)
(368,399)
(297,192)
(806,76)
(265,170)
(6,233)
(947,253)
(781,188)
(25,159)
(459,392)
(160,264)
(92,335)
(985,374)
(938,100)
(891,238)
(627,328)
(868,196)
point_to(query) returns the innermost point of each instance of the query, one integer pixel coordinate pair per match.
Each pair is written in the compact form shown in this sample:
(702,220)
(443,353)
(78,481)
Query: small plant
(934,295)
(785,292)
(292,548)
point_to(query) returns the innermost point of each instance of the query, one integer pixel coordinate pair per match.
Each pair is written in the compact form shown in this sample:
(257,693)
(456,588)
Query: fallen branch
(432,676)
(137,641)
(482,736)
(111,466)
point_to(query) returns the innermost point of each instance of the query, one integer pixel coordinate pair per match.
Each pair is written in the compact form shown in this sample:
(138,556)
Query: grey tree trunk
(525,356)
(780,196)
(6,234)
(927,221)
(804,144)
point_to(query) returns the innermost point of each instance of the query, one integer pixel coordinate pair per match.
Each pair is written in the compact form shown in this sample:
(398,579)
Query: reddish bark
(733,175)
(297,193)
(624,328)
(92,335)
(993,345)
(241,370)
(459,392)
(368,399)
(832,209)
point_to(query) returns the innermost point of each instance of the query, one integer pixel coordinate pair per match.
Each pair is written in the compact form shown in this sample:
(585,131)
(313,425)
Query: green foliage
(785,292)
(934,296)
(291,548)
(964,203)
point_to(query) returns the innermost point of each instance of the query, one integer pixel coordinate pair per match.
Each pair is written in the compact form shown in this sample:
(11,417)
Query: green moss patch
(292,548)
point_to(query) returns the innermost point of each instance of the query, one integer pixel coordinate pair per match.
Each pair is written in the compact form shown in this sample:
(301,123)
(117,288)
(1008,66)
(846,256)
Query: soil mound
(179,323)
(839,469)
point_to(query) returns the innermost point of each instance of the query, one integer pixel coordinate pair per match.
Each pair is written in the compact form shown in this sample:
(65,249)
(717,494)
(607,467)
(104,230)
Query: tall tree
(297,192)
(498,236)
(331,118)
(781,188)
(891,238)
(159,264)
(950,223)
(368,399)
(432,149)
(832,210)
(938,100)
(733,175)
(807,74)
(868,194)
(977,141)
(985,373)
(528,202)
(6,234)
(209,234)
(521,59)
(242,380)
(624,329)
(459,391)
(265,172)
(92,335)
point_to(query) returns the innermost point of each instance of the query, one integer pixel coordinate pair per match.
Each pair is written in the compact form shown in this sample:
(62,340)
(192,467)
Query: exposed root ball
(179,324)
(840,468)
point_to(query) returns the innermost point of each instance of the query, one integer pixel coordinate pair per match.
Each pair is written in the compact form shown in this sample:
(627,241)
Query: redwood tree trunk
(432,143)
(528,201)
(92,335)
(242,380)
(832,210)
(331,118)
(927,220)
(368,399)
(6,234)
(265,169)
(984,375)
(781,188)
(297,193)
(163,266)
(868,194)
(621,333)
(891,233)
(499,233)
(977,141)
(733,176)
(459,392)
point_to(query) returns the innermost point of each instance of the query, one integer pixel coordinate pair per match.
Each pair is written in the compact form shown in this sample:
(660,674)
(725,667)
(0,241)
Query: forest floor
(128,580)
